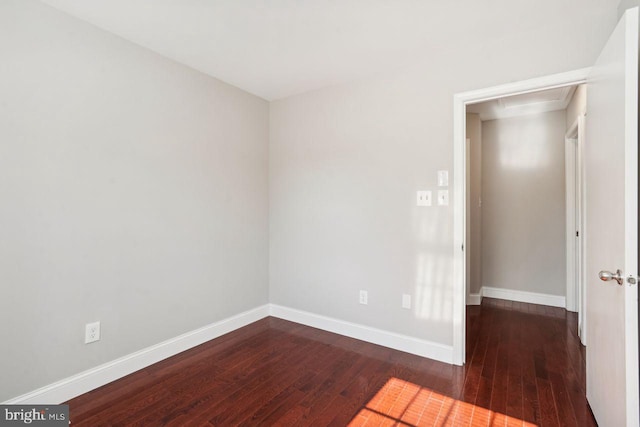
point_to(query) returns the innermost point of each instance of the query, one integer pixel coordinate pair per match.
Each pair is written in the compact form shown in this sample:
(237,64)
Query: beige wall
(474,211)
(578,105)
(523,203)
(134,192)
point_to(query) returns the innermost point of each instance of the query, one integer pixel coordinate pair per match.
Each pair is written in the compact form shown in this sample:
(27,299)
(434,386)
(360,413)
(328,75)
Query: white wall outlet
(364,297)
(91,332)
(443,197)
(423,198)
(443,178)
(406,301)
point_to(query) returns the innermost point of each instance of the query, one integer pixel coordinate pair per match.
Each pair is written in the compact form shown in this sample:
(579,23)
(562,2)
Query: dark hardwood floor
(525,366)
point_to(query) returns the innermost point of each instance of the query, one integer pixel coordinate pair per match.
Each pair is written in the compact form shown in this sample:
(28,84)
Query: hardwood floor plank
(531,405)
(247,389)
(515,393)
(566,416)
(548,411)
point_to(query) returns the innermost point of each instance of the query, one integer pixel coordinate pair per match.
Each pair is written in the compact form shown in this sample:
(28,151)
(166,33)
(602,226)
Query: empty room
(232,212)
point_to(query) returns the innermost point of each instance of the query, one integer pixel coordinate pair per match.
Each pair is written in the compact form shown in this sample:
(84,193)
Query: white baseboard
(91,379)
(83,382)
(475,299)
(522,296)
(424,348)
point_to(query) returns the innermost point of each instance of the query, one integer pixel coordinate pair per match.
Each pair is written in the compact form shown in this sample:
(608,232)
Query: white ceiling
(519,105)
(277,48)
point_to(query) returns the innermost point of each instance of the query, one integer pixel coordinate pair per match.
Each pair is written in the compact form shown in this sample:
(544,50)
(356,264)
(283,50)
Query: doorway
(461,101)
(516,199)
(611,181)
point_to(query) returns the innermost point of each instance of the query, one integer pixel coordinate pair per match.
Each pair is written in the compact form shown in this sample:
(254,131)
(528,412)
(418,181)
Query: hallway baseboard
(475,299)
(515,295)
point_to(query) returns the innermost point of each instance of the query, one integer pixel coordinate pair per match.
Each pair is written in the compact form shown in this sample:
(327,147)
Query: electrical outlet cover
(91,332)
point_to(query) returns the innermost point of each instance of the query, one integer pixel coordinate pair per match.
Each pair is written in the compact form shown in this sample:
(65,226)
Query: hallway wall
(523,206)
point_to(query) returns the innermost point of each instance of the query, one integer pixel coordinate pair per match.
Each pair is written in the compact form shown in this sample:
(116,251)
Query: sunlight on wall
(434,295)
(434,266)
(515,155)
(403,403)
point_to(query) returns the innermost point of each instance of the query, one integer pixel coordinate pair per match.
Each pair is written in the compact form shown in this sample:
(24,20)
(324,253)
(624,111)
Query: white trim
(571,225)
(524,296)
(88,380)
(460,102)
(515,295)
(582,226)
(475,299)
(575,215)
(631,350)
(93,378)
(392,340)
(459,229)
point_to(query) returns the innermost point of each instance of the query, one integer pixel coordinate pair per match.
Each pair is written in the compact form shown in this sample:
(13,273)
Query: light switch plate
(443,197)
(443,178)
(423,198)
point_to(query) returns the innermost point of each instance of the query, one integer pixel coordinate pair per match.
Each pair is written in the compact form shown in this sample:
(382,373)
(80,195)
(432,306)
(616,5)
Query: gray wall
(346,161)
(474,210)
(523,203)
(134,192)
(626,4)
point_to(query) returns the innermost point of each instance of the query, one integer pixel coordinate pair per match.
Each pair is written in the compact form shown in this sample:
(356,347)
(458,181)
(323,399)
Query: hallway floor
(526,361)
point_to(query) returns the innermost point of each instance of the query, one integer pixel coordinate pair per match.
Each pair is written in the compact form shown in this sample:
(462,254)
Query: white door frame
(460,102)
(575,220)
(570,179)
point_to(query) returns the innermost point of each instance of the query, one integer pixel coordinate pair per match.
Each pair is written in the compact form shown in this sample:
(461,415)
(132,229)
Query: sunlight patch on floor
(401,403)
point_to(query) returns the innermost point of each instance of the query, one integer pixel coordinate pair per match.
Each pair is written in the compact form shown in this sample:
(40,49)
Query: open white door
(611,161)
